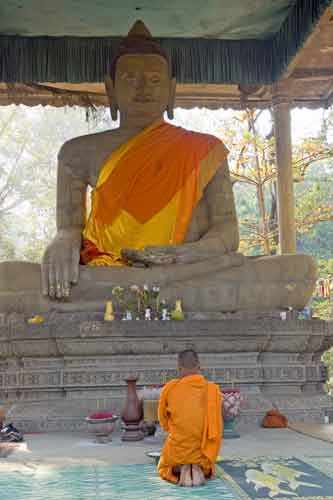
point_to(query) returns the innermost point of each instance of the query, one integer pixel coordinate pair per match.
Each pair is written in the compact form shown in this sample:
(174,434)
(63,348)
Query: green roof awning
(215,41)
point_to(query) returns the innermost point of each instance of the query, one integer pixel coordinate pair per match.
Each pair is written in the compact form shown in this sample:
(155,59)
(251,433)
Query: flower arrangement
(118,294)
(141,302)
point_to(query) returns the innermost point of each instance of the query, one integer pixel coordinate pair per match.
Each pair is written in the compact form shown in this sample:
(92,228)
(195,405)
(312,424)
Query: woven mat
(100,482)
(318,431)
(279,478)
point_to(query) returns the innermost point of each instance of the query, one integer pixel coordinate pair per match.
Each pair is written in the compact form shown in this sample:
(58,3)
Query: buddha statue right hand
(60,264)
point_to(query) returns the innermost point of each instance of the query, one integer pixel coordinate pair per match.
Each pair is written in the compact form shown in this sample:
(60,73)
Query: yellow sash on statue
(147,190)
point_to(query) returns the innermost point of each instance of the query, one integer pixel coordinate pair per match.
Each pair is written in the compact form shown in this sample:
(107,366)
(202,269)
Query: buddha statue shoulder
(162,211)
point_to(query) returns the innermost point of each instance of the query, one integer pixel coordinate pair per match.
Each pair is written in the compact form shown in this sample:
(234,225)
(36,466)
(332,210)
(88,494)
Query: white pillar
(285,184)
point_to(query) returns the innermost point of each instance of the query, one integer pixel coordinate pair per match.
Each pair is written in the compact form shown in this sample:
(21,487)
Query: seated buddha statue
(162,211)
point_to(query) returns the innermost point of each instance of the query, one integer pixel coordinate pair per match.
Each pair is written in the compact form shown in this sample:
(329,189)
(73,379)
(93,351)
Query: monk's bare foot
(185,476)
(198,477)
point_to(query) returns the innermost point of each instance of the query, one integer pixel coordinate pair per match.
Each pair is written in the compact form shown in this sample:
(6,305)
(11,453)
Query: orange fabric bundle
(274,420)
(90,252)
(190,411)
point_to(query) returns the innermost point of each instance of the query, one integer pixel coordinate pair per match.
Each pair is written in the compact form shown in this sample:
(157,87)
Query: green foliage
(321,305)
(29,144)
(327,359)
(325,267)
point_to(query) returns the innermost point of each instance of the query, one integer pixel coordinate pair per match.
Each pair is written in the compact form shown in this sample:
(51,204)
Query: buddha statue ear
(109,87)
(172,97)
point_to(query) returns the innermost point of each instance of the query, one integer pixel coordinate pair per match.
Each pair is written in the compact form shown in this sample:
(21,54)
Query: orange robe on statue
(190,410)
(147,190)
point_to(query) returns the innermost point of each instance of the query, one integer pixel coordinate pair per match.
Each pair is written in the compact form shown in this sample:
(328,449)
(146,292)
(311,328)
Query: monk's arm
(60,265)
(223,230)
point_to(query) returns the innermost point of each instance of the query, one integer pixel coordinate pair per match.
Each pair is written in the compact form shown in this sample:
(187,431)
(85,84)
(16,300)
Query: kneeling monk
(190,411)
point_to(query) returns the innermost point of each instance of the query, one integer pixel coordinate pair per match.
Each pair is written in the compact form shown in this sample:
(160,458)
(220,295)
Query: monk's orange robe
(190,411)
(147,190)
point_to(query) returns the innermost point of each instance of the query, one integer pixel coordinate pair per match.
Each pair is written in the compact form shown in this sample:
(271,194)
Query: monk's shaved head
(188,359)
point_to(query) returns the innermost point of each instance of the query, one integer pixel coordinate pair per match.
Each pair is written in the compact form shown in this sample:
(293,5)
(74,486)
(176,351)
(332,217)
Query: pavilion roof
(225,54)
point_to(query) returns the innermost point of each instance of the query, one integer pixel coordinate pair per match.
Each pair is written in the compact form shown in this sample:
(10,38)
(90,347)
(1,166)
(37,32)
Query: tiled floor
(80,447)
(72,467)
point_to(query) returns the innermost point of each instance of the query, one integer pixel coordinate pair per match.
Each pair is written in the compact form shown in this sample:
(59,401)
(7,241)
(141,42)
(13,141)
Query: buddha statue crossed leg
(162,211)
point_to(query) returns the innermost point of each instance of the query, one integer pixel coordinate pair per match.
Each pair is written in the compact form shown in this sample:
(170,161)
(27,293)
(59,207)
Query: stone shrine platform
(54,374)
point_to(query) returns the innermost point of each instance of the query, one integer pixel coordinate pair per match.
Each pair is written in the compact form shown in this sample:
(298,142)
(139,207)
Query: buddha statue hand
(147,258)
(174,254)
(60,265)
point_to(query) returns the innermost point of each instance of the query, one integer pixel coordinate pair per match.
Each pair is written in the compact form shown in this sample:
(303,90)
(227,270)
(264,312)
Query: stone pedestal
(54,374)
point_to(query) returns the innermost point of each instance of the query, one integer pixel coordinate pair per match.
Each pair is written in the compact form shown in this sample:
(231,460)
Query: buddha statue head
(140,81)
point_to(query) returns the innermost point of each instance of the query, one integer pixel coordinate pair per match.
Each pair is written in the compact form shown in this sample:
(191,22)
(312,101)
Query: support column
(285,184)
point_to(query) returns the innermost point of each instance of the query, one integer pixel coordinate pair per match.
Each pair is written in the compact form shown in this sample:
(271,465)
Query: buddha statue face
(142,85)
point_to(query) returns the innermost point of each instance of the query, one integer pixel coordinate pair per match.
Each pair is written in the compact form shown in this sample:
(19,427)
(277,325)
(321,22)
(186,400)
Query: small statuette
(108,315)
(147,314)
(177,313)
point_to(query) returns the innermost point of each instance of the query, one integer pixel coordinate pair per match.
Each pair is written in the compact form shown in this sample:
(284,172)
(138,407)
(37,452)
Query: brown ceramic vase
(132,413)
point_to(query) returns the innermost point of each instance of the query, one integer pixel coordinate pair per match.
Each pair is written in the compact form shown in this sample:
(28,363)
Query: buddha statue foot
(226,284)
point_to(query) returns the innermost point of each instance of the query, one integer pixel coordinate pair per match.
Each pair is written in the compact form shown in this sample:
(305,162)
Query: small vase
(147,314)
(128,316)
(132,413)
(108,315)
(165,314)
(177,313)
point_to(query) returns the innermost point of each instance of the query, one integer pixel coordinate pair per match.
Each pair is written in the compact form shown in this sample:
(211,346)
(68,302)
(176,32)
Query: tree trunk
(263,223)
(273,222)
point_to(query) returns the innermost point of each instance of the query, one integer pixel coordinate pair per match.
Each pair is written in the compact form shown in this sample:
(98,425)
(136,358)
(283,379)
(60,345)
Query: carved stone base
(54,374)
(132,432)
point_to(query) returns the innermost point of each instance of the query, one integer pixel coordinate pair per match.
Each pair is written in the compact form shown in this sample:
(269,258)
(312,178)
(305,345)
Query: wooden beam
(309,74)
(326,19)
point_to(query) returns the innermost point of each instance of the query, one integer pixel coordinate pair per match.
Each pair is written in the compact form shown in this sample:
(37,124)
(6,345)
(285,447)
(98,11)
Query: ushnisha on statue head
(140,80)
